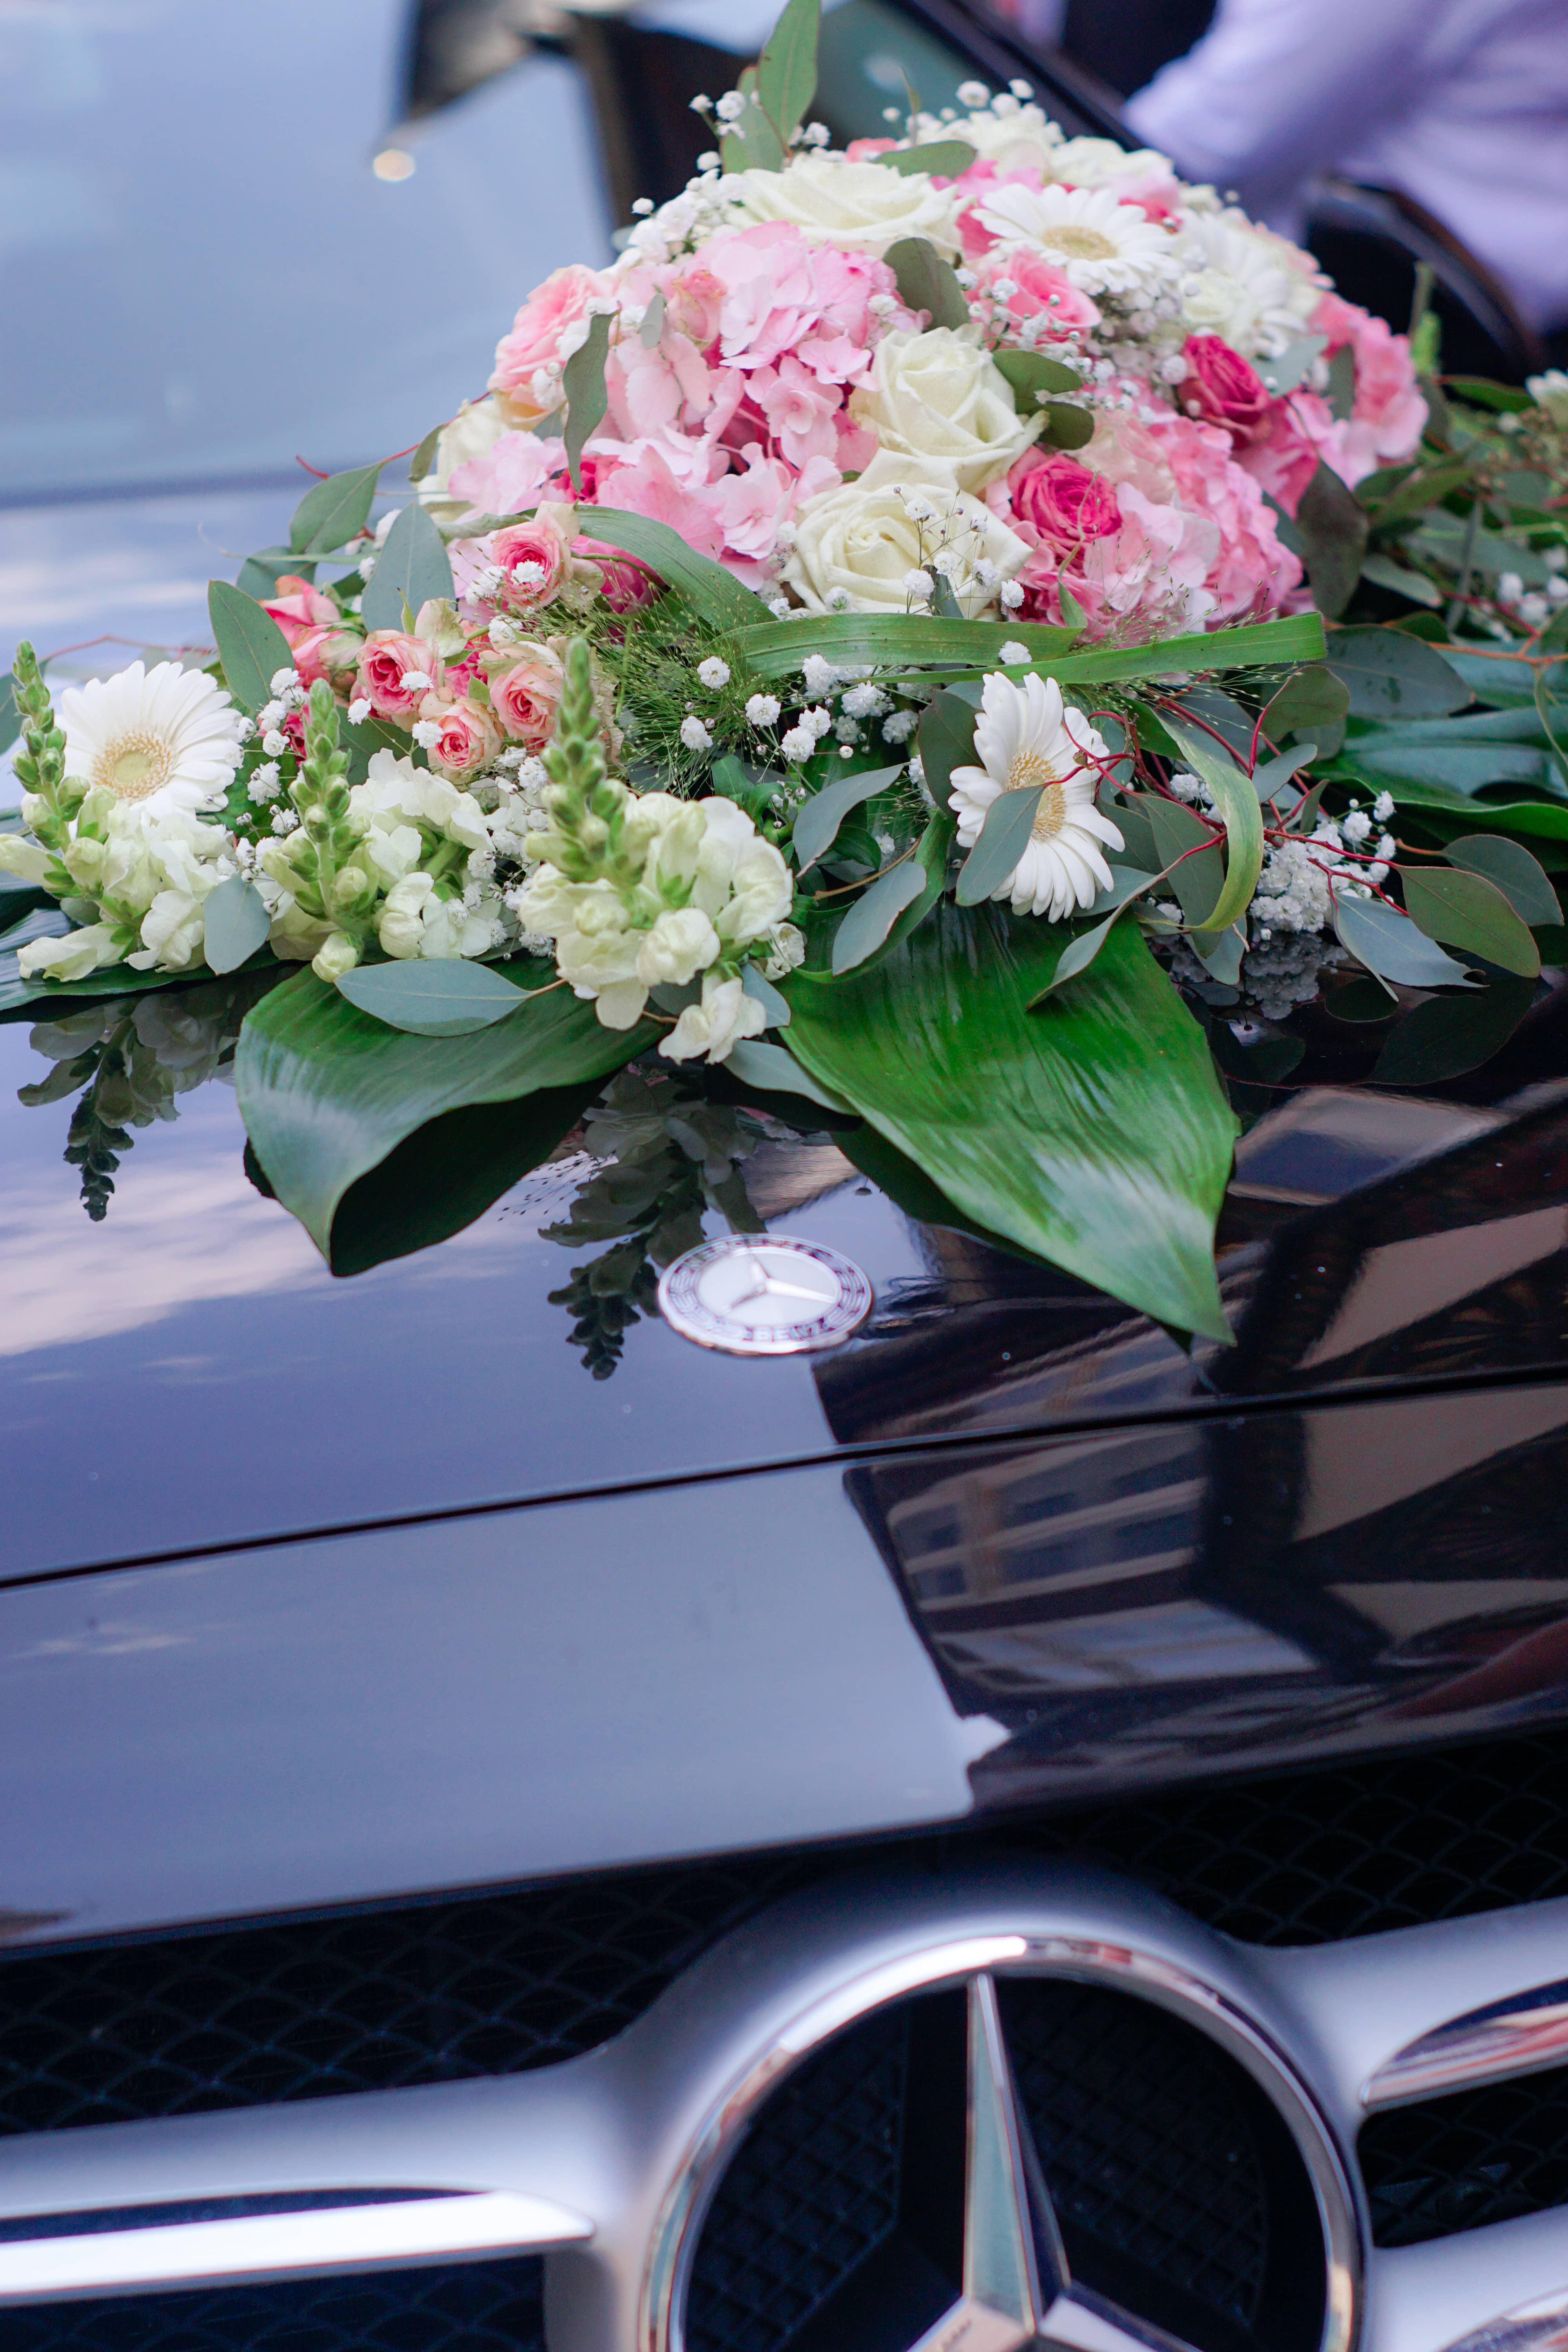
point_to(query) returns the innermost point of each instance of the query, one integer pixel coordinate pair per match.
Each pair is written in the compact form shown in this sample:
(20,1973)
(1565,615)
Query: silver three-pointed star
(1017,2290)
(772,1285)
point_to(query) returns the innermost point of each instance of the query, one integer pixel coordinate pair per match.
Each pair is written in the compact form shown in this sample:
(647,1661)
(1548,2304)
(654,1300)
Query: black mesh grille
(814,2191)
(369,2002)
(1145,2135)
(1474,2156)
(496,1985)
(479,2307)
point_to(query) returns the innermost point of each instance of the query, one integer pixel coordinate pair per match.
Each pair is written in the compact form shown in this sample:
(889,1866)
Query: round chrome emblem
(764,1295)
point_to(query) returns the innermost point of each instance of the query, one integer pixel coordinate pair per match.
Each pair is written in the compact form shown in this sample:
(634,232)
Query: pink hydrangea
(1386,423)
(512,477)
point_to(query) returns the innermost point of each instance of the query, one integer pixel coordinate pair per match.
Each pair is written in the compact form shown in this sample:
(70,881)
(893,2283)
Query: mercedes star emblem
(764,1295)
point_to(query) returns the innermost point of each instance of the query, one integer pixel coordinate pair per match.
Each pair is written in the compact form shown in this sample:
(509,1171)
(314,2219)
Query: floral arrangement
(804,660)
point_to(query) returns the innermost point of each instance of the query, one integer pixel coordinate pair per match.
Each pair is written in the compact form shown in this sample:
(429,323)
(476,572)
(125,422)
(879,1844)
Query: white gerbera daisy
(1102,246)
(1243,287)
(165,738)
(1026,737)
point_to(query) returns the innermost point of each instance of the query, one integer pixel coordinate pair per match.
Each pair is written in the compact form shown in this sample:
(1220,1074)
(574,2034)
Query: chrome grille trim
(592,2156)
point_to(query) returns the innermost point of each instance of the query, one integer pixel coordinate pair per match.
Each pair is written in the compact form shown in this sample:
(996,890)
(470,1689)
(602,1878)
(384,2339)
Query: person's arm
(1279,88)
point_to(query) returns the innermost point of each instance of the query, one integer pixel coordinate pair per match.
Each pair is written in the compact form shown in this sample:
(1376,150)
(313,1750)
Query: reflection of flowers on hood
(1026,737)
(164,738)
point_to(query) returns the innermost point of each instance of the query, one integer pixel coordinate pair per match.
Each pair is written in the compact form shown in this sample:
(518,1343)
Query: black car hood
(185,1372)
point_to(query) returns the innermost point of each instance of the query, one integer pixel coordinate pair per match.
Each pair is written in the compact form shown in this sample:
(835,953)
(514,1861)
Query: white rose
(859,208)
(71,958)
(939,396)
(725,1016)
(859,541)
(1097,162)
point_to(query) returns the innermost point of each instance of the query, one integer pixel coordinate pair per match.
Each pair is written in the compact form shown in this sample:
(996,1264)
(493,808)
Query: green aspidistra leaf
(1093,1132)
(1236,802)
(250,644)
(714,594)
(326,1092)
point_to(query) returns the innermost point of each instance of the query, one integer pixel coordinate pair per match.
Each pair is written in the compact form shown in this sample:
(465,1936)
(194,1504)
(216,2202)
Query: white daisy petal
(164,738)
(1028,740)
(1102,246)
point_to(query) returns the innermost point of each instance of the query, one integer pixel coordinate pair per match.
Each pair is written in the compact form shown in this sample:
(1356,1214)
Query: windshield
(201,272)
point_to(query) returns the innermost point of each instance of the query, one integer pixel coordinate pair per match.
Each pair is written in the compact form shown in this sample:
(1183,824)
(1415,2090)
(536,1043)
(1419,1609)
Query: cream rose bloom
(1098,162)
(1021,139)
(939,396)
(860,541)
(860,208)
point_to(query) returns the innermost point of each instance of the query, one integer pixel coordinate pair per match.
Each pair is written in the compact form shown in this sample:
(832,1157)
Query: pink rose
(532,557)
(1388,415)
(1062,500)
(301,608)
(1223,390)
(332,654)
(1039,292)
(534,342)
(471,735)
(526,697)
(625,583)
(1284,457)
(387,658)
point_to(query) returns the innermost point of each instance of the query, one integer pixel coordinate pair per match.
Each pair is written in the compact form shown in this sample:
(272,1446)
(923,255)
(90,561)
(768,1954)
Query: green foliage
(1518,874)
(327,1093)
(448,997)
(1389,674)
(582,383)
(1391,945)
(926,282)
(236,923)
(1237,801)
(816,827)
(333,511)
(947,157)
(715,595)
(787,70)
(40,765)
(250,644)
(1333,525)
(1047,1128)
(1471,913)
(412,567)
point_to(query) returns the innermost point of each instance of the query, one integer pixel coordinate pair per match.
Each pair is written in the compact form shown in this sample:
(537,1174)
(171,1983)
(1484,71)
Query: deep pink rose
(300,607)
(1061,500)
(471,735)
(625,583)
(535,339)
(387,658)
(532,557)
(526,697)
(1222,389)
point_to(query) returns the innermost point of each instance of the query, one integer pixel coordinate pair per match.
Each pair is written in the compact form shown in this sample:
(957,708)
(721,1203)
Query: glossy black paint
(711,1666)
(187,1373)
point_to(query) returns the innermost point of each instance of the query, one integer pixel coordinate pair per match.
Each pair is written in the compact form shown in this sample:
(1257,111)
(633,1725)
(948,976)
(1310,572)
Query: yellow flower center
(1080,243)
(1028,772)
(135,764)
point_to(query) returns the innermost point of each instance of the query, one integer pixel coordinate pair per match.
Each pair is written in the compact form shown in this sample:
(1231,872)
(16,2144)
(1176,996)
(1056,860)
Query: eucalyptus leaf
(947,158)
(1191,849)
(776,1071)
(1463,768)
(1068,427)
(874,913)
(1271,779)
(1286,370)
(946,740)
(1220,953)
(1469,912)
(1039,1126)
(443,996)
(1005,830)
(412,567)
(816,827)
(327,1092)
(424,457)
(1076,955)
(714,594)
(236,923)
(583,385)
(1383,572)
(652,326)
(1389,944)
(1030,373)
(763,992)
(1333,525)
(1521,880)
(333,511)
(250,644)
(787,70)
(926,282)
(1390,675)
(1341,383)
(751,142)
